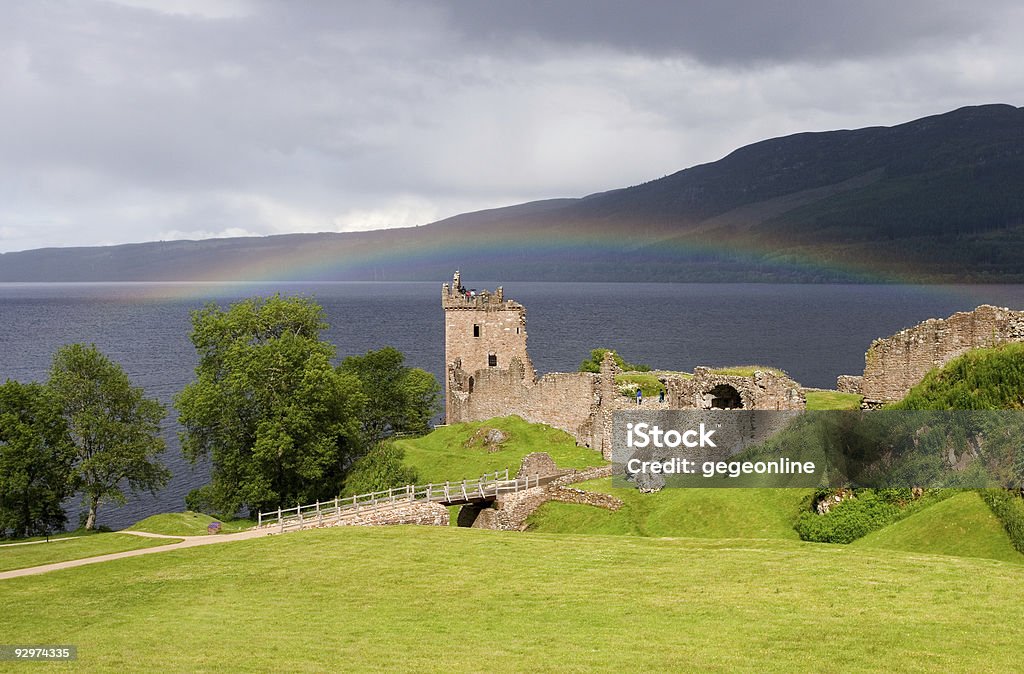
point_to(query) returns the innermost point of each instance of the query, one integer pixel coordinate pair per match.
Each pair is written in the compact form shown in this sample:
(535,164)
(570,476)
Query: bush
(1008,506)
(869,510)
(593,364)
(379,469)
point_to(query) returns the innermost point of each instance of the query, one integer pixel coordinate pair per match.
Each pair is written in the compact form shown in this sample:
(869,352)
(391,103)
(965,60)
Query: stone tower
(482,331)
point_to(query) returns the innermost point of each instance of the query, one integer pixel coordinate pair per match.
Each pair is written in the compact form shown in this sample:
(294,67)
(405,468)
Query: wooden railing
(316,514)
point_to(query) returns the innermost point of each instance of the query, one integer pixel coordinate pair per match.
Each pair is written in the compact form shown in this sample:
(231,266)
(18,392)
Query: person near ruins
(639,396)
(661,396)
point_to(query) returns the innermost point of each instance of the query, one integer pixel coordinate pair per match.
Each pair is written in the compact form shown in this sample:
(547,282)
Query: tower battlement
(456,296)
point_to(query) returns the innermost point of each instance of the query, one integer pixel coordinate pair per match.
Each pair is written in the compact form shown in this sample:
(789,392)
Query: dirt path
(183,542)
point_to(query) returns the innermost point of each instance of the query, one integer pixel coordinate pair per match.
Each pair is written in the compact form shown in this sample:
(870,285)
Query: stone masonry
(894,365)
(510,511)
(489,374)
(429,514)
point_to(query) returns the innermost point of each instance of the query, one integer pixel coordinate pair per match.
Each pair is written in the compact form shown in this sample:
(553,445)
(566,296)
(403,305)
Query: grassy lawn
(746,370)
(961,525)
(68,548)
(443,599)
(701,513)
(187,523)
(832,400)
(458,452)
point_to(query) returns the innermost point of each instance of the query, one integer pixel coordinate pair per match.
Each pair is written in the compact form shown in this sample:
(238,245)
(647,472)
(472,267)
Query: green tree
(36,457)
(279,422)
(593,364)
(115,429)
(399,398)
(379,469)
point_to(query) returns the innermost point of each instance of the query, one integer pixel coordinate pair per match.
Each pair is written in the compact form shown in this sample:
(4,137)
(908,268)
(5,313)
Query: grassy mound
(461,451)
(424,599)
(961,525)
(187,523)
(699,513)
(72,546)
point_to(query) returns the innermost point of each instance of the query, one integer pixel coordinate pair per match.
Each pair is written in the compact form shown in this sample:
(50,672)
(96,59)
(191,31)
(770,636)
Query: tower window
(492,360)
(476,330)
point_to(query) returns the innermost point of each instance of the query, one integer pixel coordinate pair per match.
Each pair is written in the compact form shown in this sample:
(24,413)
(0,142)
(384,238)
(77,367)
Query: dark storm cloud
(129,120)
(728,31)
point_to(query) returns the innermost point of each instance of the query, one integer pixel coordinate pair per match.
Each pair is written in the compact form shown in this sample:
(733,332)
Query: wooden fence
(485,488)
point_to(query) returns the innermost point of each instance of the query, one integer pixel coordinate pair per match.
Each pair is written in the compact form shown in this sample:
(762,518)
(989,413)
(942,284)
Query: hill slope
(962,526)
(936,199)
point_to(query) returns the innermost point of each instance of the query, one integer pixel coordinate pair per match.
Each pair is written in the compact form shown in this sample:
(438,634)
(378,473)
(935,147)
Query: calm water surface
(814,332)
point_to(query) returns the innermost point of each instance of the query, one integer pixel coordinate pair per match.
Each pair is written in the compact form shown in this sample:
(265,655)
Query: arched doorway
(724,397)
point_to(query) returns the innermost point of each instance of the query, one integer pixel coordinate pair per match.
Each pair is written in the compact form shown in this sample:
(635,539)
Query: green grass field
(961,525)
(832,400)
(187,523)
(448,453)
(699,513)
(443,599)
(73,546)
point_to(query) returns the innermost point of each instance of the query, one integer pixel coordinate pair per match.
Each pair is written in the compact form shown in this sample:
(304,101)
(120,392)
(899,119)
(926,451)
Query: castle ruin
(894,365)
(489,374)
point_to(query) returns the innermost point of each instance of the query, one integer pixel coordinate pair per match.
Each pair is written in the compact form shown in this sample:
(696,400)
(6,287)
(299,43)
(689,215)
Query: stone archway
(723,397)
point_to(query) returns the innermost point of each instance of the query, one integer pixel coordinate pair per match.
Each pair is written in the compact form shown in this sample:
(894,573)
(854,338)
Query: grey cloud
(727,32)
(134,119)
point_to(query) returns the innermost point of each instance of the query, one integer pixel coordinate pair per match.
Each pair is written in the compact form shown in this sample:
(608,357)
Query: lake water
(814,332)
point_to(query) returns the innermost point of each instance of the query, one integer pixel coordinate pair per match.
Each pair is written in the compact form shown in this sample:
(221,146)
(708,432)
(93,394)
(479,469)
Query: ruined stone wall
(895,364)
(764,390)
(562,400)
(848,383)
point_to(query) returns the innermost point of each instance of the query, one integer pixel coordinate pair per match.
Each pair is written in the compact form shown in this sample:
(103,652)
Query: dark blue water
(814,332)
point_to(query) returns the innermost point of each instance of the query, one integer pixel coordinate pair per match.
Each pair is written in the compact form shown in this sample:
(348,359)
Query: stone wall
(895,364)
(848,383)
(561,400)
(706,389)
(430,514)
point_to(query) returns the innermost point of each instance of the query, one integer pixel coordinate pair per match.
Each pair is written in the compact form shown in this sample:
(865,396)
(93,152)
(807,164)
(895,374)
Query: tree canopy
(114,428)
(399,399)
(279,422)
(36,457)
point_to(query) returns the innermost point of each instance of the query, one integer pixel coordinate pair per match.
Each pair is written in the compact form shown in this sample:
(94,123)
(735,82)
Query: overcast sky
(140,120)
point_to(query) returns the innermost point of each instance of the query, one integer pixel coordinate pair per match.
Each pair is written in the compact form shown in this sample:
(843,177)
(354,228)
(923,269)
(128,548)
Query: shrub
(1008,507)
(869,510)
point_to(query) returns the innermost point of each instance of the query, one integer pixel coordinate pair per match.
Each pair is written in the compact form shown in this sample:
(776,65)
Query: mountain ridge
(937,199)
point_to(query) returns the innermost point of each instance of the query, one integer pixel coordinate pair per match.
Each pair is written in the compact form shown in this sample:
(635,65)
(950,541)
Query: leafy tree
(379,469)
(115,429)
(36,457)
(280,423)
(593,364)
(399,398)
